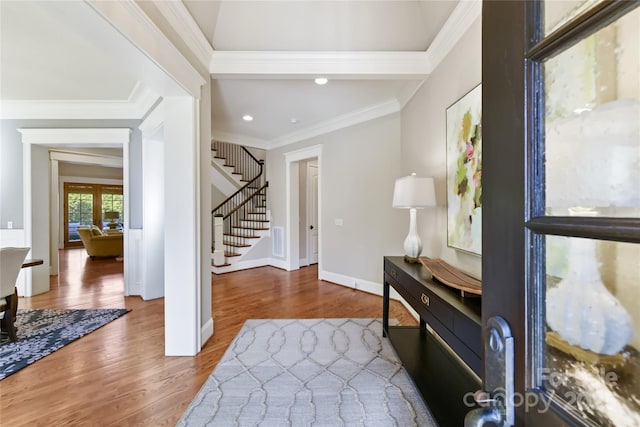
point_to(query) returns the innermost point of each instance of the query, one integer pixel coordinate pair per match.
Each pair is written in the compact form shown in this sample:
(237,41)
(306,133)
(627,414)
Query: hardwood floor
(118,375)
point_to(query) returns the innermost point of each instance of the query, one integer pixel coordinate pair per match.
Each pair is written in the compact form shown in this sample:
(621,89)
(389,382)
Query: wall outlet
(9,225)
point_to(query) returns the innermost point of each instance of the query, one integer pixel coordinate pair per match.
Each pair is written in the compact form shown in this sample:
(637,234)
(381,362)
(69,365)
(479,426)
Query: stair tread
(249,228)
(226,264)
(236,240)
(240,235)
(236,245)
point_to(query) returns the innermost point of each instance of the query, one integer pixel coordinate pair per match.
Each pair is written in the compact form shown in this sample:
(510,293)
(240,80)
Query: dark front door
(561,208)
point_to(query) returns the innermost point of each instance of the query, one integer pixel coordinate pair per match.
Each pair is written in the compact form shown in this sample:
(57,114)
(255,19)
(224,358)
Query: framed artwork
(464,173)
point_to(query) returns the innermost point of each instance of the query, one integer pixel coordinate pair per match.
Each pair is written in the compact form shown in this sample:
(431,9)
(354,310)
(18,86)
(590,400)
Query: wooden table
(431,360)
(31,262)
(13,300)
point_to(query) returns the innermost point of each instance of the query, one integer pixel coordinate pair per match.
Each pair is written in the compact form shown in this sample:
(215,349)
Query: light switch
(338,221)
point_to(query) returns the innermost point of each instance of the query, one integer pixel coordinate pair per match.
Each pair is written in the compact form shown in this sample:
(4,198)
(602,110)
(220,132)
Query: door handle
(311,227)
(497,400)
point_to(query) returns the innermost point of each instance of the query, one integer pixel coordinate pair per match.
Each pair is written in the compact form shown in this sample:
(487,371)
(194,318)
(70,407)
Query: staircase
(242,219)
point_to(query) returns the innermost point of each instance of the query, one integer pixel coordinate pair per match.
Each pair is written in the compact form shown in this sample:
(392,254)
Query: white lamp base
(412,243)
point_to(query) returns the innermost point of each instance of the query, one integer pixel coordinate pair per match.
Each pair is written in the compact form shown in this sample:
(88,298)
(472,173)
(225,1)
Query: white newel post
(218,250)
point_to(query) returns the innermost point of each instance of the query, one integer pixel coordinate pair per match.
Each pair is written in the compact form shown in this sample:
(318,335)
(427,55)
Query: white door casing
(292,224)
(312,213)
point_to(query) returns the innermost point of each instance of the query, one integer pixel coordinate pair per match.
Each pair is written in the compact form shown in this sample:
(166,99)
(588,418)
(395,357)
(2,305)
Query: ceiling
(45,60)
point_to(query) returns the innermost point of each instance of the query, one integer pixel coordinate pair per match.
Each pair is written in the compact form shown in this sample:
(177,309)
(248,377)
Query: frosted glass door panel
(592,123)
(558,12)
(593,328)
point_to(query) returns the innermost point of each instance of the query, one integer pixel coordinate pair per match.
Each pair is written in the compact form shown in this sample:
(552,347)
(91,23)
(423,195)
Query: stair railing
(235,210)
(244,163)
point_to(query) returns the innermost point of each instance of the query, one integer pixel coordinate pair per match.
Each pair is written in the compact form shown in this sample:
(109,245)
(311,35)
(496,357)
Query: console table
(441,378)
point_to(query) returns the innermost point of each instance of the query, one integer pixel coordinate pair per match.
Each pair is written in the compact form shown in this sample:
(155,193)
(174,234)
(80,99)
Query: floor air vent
(277,241)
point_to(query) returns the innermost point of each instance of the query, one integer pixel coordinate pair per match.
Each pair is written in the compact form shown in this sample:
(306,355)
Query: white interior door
(312,212)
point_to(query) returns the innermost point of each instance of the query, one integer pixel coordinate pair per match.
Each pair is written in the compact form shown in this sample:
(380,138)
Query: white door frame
(310,212)
(67,138)
(292,227)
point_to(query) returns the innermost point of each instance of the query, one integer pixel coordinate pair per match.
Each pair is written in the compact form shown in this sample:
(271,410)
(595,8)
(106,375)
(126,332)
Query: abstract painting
(464,173)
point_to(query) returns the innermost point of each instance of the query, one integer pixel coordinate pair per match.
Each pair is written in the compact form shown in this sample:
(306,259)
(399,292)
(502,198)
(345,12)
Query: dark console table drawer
(440,377)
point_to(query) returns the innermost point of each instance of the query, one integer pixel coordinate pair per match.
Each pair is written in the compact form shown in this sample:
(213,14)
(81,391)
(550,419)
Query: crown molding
(178,16)
(346,120)
(345,65)
(462,17)
(217,135)
(350,119)
(408,92)
(131,21)
(153,121)
(136,106)
(102,137)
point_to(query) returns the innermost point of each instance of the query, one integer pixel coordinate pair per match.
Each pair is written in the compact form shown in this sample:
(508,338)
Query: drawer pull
(394,273)
(425,299)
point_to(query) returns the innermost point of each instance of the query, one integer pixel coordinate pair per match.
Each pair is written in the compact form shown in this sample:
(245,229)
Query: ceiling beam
(344,65)
(348,65)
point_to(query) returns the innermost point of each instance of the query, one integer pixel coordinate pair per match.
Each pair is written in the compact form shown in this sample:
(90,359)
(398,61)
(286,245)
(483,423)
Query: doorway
(90,204)
(293,233)
(312,227)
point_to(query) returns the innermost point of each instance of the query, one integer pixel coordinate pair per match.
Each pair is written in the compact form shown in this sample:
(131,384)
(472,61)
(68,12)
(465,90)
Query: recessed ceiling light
(321,81)
(247,118)
(293,120)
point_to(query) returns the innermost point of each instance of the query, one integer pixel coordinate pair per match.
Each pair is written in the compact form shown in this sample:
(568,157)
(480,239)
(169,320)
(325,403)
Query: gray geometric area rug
(309,372)
(41,332)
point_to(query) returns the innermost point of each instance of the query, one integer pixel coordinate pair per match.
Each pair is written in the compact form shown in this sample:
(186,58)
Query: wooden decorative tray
(451,276)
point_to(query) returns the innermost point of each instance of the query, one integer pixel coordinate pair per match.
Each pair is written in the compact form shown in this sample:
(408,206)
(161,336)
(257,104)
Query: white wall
(358,170)
(93,171)
(153,217)
(424,141)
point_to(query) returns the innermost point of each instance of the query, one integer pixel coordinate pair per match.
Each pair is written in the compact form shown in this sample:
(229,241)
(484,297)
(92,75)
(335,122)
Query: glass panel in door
(559,12)
(592,334)
(592,124)
(588,356)
(79,213)
(112,202)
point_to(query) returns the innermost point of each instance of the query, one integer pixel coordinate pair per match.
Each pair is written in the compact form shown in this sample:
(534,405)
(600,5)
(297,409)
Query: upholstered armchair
(101,245)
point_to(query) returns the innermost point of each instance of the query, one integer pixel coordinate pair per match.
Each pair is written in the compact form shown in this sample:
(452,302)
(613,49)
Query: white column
(153,202)
(182,228)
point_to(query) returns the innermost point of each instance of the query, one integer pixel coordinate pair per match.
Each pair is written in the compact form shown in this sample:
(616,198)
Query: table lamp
(412,192)
(112,216)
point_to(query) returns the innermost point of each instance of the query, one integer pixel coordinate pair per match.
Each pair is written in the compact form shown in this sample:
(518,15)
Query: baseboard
(278,263)
(364,285)
(206,332)
(339,279)
(242,265)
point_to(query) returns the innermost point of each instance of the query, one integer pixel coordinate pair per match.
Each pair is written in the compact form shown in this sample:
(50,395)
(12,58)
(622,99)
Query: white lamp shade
(414,192)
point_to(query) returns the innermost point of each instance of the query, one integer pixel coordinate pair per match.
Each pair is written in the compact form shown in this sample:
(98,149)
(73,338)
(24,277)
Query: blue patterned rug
(41,332)
(301,372)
